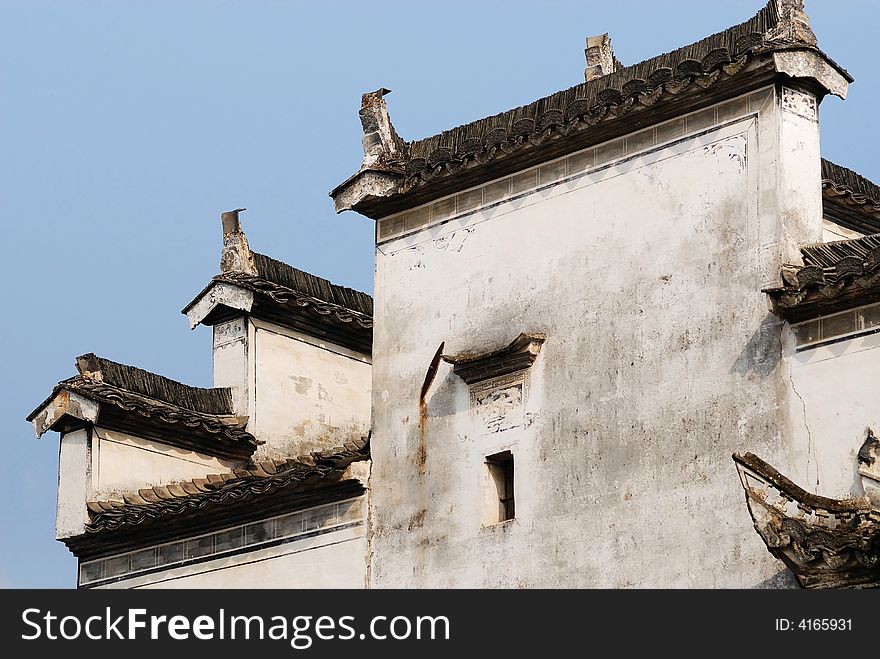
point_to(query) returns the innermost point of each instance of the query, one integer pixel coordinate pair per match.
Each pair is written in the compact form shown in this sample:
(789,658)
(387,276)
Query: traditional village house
(256,482)
(579,318)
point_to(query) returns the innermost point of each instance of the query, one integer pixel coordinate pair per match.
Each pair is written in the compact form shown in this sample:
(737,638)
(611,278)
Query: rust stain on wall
(422,455)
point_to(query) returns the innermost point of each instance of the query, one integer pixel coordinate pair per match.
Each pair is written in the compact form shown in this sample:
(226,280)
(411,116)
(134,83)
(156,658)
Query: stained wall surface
(661,359)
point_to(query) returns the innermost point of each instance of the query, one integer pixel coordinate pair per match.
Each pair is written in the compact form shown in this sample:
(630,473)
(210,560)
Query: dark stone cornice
(826,543)
(293,309)
(731,63)
(145,404)
(256,490)
(835,276)
(475,367)
(849,199)
(219,435)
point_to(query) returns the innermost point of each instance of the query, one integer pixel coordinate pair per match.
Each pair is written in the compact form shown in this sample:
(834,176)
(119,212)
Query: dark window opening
(501,471)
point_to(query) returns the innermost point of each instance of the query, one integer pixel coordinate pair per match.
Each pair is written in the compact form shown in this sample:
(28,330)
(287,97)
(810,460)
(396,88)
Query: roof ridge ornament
(600,57)
(89,366)
(793,24)
(382,144)
(236,255)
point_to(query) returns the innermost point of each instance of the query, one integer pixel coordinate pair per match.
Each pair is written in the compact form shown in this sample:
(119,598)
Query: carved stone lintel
(499,403)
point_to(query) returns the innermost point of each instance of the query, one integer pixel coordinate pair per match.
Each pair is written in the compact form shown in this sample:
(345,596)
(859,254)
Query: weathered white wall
(124,463)
(306,397)
(106,463)
(837,401)
(832,231)
(330,560)
(661,360)
(231,341)
(74,467)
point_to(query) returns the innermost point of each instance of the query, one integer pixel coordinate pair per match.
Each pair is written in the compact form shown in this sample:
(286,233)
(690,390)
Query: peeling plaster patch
(733,147)
(417,520)
(65,403)
(417,251)
(219,294)
(302,385)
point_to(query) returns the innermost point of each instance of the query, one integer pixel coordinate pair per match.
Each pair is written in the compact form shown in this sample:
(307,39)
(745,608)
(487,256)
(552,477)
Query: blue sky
(126,128)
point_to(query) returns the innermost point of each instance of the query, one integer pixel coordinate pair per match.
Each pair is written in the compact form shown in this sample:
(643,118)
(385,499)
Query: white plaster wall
(306,397)
(121,463)
(74,469)
(330,560)
(661,360)
(838,401)
(832,231)
(230,355)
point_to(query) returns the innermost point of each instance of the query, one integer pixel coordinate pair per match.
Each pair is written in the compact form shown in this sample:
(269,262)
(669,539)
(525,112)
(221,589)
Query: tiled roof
(257,479)
(151,385)
(592,99)
(842,181)
(825,542)
(839,273)
(850,199)
(137,401)
(833,274)
(833,255)
(294,279)
(780,25)
(284,294)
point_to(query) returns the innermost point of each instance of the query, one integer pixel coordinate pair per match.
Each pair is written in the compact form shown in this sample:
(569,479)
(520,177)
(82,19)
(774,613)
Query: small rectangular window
(846,324)
(807,332)
(870,317)
(501,476)
(838,324)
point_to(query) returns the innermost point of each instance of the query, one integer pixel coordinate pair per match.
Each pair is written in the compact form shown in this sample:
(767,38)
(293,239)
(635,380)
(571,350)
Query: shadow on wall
(782,579)
(445,400)
(763,350)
